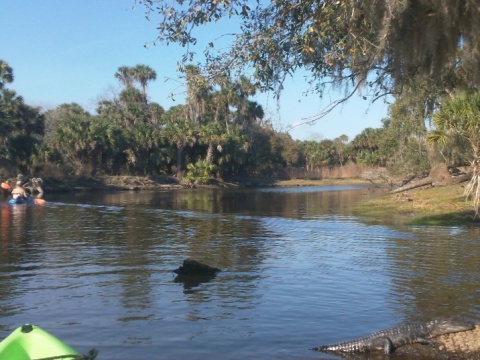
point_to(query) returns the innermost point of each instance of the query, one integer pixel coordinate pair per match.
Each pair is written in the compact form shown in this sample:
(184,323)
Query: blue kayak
(29,201)
(22,200)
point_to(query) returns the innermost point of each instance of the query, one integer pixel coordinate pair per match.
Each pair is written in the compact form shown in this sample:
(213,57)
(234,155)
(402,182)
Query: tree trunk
(412,185)
(439,176)
(179,158)
(209,157)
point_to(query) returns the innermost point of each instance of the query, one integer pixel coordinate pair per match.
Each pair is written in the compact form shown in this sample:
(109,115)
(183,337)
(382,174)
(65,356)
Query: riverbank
(442,205)
(122,183)
(453,346)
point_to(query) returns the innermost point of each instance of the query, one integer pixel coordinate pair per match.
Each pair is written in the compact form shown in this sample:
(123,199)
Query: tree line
(218,132)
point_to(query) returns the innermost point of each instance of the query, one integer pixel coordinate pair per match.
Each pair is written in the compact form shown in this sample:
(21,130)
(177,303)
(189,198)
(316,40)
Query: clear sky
(65,51)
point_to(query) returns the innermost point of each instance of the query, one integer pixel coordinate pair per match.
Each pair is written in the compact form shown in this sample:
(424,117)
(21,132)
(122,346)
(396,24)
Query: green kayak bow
(30,342)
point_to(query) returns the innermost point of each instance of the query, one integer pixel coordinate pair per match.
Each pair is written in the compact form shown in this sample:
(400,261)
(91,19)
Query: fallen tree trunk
(414,184)
(430,181)
(439,176)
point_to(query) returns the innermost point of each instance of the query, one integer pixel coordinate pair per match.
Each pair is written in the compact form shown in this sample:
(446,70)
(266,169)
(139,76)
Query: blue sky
(65,51)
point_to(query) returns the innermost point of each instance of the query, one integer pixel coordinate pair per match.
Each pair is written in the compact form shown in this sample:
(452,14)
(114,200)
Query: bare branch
(327,110)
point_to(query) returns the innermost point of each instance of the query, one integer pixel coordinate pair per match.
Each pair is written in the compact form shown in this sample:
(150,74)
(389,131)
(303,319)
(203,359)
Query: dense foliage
(377,46)
(21,126)
(457,126)
(218,132)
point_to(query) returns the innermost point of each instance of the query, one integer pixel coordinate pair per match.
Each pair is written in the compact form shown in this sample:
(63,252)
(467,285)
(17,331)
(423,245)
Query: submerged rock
(192,267)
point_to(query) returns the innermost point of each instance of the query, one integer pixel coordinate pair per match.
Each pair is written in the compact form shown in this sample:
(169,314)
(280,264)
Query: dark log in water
(195,268)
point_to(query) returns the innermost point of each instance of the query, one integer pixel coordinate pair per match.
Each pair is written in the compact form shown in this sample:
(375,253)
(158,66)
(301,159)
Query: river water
(299,269)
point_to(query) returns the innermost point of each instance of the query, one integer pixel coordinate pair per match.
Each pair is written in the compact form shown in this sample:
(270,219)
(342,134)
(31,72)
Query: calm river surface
(298,270)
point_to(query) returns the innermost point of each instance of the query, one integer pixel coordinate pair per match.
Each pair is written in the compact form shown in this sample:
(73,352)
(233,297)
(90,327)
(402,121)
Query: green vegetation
(376,47)
(198,173)
(218,133)
(444,205)
(457,126)
(421,55)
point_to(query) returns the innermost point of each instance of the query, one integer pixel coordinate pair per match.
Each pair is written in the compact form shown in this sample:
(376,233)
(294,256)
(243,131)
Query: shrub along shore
(122,183)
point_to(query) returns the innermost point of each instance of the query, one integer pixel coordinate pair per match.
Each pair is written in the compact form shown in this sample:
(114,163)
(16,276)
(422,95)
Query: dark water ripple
(298,271)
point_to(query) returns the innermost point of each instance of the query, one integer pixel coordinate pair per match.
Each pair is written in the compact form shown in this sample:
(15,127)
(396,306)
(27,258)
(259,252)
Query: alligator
(391,339)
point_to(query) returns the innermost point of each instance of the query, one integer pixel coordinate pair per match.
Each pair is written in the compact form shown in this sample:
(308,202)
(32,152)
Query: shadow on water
(190,282)
(453,219)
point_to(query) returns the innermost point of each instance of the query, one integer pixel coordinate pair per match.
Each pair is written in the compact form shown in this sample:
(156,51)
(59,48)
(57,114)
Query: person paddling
(18,191)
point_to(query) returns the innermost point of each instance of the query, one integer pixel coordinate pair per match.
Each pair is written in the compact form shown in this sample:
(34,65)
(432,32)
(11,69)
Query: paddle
(6,186)
(26,180)
(39,201)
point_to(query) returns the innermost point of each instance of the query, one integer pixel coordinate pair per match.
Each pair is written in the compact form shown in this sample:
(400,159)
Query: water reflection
(298,269)
(190,282)
(286,202)
(14,222)
(436,272)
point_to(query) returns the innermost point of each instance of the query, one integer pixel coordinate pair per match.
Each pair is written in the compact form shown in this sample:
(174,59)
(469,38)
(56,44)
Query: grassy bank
(323,182)
(443,205)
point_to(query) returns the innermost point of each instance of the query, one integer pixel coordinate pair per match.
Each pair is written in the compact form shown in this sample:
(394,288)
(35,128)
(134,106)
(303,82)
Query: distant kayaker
(18,191)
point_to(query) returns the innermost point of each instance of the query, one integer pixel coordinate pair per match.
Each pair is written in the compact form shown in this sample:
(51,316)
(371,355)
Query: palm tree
(10,104)
(55,116)
(459,119)
(234,154)
(125,75)
(313,154)
(340,146)
(132,107)
(146,151)
(223,99)
(21,127)
(247,111)
(180,131)
(155,112)
(87,143)
(253,112)
(235,95)
(198,93)
(212,134)
(6,74)
(143,74)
